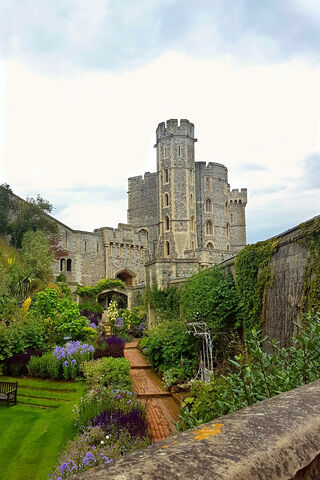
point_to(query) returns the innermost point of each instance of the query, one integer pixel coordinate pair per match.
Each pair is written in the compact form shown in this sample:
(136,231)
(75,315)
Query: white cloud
(99,129)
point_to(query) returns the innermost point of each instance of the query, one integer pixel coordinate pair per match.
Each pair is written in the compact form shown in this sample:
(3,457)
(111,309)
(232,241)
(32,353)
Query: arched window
(227,230)
(192,224)
(144,231)
(191,177)
(166,200)
(69,263)
(235,202)
(210,245)
(240,202)
(209,227)
(191,200)
(62,265)
(166,223)
(208,205)
(167,249)
(207,183)
(231,202)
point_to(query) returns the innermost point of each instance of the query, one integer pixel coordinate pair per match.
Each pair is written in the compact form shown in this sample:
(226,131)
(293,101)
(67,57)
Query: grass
(31,438)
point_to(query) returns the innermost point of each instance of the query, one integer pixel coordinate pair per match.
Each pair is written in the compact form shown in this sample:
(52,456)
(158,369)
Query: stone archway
(127,276)
(105,297)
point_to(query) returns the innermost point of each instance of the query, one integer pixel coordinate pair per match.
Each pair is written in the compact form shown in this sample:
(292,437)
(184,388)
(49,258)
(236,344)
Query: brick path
(162,409)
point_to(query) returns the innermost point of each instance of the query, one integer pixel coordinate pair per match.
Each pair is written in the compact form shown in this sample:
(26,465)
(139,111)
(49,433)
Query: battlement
(216,170)
(173,127)
(238,194)
(125,235)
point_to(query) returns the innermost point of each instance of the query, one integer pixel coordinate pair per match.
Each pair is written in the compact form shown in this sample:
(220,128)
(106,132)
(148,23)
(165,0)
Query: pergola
(199,329)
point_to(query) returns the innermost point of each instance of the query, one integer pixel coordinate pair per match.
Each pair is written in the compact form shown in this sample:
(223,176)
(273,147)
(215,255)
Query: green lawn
(33,433)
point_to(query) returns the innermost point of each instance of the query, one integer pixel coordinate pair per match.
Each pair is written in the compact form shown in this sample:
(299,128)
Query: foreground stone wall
(275,439)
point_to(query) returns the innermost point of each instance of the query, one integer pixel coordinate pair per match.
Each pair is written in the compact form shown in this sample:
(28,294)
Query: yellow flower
(26,304)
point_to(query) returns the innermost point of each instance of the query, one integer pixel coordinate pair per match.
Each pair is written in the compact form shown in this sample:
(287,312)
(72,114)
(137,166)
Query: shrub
(112,421)
(173,376)
(169,345)
(108,371)
(92,307)
(24,332)
(16,365)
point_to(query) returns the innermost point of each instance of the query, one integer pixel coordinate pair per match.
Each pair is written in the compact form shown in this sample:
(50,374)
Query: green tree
(36,254)
(31,215)
(7,206)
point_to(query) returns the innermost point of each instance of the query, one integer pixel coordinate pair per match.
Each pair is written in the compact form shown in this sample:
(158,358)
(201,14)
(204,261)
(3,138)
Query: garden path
(162,409)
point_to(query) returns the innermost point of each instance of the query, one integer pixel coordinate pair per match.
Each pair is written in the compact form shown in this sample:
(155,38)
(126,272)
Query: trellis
(199,329)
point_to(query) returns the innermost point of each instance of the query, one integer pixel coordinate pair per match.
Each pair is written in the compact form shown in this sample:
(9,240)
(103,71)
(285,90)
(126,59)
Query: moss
(104,284)
(310,299)
(253,276)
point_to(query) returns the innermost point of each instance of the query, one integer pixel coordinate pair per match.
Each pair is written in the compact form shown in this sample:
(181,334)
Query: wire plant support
(199,329)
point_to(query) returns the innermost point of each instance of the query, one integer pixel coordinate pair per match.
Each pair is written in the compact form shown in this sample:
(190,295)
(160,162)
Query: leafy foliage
(253,275)
(256,376)
(103,284)
(108,371)
(169,345)
(310,299)
(211,297)
(165,303)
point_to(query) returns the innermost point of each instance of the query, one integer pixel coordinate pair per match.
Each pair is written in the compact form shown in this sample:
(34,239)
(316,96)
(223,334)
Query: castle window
(166,200)
(62,265)
(191,200)
(210,245)
(231,202)
(235,202)
(66,239)
(167,223)
(191,177)
(207,183)
(208,205)
(209,227)
(227,230)
(165,152)
(228,247)
(179,151)
(192,224)
(85,246)
(167,249)
(231,216)
(69,263)
(166,176)
(240,202)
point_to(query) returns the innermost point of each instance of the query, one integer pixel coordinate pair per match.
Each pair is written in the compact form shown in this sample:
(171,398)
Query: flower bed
(64,362)
(109,418)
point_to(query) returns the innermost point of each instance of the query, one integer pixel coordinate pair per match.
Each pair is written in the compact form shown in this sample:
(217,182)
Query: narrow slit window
(62,264)
(166,176)
(167,223)
(166,200)
(69,263)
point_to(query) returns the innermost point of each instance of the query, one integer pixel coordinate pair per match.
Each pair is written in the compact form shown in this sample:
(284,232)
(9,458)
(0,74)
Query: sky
(84,84)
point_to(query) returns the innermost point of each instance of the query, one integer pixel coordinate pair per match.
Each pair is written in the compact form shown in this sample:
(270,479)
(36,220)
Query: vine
(165,303)
(105,283)
(310,299)
(253,276)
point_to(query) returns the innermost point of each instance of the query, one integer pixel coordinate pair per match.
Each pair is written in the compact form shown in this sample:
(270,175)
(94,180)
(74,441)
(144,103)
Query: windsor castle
(181,218)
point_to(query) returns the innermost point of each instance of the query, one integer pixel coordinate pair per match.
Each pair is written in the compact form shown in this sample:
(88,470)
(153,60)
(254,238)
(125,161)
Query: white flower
(108,436)
(102,442)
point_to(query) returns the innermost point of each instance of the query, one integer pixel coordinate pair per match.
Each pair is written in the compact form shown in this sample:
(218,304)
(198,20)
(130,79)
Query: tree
(7,206)
(36,255)
(31,215)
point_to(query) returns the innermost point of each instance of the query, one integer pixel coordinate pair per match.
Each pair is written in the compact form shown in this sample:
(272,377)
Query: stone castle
(181,218)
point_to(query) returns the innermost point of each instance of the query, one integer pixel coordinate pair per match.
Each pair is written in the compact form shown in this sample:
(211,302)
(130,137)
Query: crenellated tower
(176,188)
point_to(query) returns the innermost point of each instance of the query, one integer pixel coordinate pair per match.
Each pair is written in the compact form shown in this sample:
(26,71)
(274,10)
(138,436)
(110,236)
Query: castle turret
(176,188)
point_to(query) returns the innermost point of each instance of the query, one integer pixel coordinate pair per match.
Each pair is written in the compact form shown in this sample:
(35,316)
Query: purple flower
(88,458)
(64,467)
(119,322)
(66,364)
(74,362)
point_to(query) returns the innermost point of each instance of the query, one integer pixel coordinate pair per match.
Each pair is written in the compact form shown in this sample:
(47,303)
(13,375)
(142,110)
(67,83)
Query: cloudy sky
(84,84)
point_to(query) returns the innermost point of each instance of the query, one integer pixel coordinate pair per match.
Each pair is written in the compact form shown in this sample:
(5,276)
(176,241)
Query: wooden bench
(8,392)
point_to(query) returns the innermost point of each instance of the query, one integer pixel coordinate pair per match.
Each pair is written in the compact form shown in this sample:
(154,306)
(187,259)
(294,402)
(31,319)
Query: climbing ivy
(253,276)
(310,300)
(165,303)
(105,283)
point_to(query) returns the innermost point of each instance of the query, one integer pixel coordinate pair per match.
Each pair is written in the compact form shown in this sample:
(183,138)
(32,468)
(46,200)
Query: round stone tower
(176,188)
